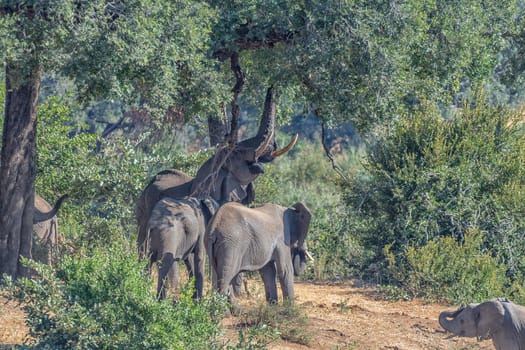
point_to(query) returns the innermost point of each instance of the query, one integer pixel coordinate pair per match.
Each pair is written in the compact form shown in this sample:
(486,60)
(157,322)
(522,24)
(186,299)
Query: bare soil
(343,315)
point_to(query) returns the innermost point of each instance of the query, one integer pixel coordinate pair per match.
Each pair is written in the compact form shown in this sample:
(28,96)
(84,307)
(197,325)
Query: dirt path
(340,316)
(348,316)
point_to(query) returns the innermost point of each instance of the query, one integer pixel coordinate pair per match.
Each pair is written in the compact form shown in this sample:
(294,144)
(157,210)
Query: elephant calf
(498,319)
(175,230)
(269,238)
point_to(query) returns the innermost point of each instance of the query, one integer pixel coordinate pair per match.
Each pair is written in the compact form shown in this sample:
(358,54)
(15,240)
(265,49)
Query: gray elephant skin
(227,176)
(498,319)
(270,239)
(45,229)
(176,231)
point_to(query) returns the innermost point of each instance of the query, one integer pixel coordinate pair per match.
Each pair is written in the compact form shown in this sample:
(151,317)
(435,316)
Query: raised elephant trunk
(39,216)
(267,124)
(264,140)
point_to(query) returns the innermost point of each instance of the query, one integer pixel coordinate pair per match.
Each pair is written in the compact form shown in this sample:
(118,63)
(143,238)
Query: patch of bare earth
(347,315)
(343,315)
(13,330)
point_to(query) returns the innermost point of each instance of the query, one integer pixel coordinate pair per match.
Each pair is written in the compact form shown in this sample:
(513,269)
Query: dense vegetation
(429,200)
(426,178)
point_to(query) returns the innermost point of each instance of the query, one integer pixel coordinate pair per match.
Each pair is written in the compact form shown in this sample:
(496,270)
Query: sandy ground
(343,315)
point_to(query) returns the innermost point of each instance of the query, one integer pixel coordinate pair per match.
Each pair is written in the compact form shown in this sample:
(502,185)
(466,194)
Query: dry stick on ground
(330,155)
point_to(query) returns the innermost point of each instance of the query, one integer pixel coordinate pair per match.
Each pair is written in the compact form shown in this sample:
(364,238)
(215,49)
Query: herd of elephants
(184,218)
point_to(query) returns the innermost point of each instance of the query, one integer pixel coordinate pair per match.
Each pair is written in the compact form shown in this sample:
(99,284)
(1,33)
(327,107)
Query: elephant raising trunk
(498,319)
(227,176)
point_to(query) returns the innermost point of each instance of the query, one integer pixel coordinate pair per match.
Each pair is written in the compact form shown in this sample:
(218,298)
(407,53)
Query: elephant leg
(198,258)
(189,262)
(268,274)
(285,272)
(224,280)
(237,284)
(168,276)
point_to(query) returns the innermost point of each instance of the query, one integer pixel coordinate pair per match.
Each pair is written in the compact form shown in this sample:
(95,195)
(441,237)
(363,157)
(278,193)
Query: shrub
(105,302)
(427,177)
(457,272)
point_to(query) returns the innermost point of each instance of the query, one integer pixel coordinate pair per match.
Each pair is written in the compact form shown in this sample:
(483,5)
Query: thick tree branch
(244,42)
(239,83)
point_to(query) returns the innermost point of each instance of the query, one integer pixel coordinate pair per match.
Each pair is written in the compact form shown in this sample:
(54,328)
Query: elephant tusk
(264,145)
(308,255)
(280,152)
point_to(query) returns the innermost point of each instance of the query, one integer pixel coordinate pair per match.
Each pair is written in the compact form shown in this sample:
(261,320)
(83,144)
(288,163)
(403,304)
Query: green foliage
(146,50)
(363,61)
(103,185)
(457,272)
(104,301)
(426,177)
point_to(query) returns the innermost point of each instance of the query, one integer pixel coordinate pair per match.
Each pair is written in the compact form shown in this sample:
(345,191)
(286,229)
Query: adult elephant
(45,229)
(176,231)
(498,319)
(227,176)
(269,238)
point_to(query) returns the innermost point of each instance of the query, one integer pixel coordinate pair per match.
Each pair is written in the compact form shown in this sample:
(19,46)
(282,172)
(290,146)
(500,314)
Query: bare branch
(244,42)
(330,155)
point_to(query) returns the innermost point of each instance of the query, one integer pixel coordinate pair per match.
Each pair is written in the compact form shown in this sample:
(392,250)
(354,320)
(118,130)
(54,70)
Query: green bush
(105,302)
(426,177)
(457,272)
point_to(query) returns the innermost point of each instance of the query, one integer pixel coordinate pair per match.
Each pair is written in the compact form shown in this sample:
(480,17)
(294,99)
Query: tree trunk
(17,167)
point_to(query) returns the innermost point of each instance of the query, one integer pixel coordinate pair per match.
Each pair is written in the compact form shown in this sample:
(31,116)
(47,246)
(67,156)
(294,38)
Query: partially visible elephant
(498,319)
(270,239)
(175,231)
(227,176)
(45,229)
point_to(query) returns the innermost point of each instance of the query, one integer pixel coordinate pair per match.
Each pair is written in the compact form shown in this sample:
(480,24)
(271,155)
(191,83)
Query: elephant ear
(301,223)
(489,317)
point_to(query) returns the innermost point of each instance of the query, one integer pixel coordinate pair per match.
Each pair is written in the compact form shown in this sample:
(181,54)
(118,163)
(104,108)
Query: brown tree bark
(17,167)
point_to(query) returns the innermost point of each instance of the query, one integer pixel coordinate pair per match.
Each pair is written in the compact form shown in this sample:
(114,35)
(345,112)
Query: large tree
(359,61)
(148,51)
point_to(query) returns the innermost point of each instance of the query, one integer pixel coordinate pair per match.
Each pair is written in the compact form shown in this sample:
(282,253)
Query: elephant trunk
(299,261)
(264,142)
(447,320)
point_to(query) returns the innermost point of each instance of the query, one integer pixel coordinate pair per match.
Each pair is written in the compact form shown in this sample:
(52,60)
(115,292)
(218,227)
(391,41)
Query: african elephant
(45,229)
(269,238)
(498,319)
(227,176)
(176,230)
